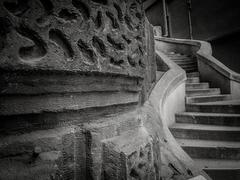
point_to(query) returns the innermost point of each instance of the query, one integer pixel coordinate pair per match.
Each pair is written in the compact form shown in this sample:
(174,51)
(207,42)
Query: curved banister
(171,82)
(222,76)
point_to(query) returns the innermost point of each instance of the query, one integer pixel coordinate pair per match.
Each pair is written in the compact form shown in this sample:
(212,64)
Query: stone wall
(74,75)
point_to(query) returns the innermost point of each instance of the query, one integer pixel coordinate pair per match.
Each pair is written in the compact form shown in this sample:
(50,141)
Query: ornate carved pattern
(101,35)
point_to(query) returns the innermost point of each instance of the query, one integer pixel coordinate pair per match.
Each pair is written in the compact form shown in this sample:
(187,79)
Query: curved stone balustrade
(209,67)
(168,98)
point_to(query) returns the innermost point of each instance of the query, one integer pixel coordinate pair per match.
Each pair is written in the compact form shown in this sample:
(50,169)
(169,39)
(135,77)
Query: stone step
(177,55)
(187,65)
(208,118)
(217,163)
(230,102)
(190,86)
(193,80)
(220,169)
(207,149)
(173,54)
(214,108)
(185,61)
(181,58)
(193,74)
(202,92)
(205,132)
(190,70)
(212,98)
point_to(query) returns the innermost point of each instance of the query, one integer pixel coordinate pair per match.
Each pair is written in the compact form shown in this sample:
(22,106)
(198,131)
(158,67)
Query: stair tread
(225,102)
(206,89)
(188,83)
(193,78)
(209,96)
(184,58)
(191,92)
(193,74)
(185,61)
(218,163)
(197,86)
(204,127)
(208,114)
(174,54)
(186,64)
(208,143)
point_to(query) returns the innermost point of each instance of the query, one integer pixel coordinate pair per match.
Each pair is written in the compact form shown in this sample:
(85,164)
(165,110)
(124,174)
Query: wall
(155,14)
(227,50)
(216,22)
(213,21)
(178,18)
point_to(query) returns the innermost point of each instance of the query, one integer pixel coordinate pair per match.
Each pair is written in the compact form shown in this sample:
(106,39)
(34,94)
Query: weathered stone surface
(129,156)
(76,36)
(157,30)
(74,75)
(150,62)
(46,154)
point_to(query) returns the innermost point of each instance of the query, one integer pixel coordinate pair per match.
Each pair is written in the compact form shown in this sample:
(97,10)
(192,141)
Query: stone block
(43,154)
(129,156)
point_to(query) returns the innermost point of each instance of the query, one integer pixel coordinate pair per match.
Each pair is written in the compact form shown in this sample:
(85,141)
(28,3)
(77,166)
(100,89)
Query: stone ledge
(129,156)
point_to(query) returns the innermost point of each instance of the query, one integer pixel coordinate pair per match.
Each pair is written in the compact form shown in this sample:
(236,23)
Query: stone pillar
(65,68)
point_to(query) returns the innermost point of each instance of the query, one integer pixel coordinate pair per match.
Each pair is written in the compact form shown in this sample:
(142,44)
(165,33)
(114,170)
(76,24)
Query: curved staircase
(209,130)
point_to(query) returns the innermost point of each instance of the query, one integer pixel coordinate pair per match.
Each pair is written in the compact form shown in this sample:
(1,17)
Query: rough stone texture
(75,76)
(129,156)
(77,35)
(150,65)
(157,31)
(73,73)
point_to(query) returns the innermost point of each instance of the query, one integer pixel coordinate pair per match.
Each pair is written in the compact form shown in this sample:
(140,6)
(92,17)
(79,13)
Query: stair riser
(234,109)
(191,71)
(177,56)
(223,174)
(206,134)
(193,80)
(186,63)
(189,67)
(213,153)
(206,99)
(197,86)
(182,57)
(224,121)
(202,93)
(194,74)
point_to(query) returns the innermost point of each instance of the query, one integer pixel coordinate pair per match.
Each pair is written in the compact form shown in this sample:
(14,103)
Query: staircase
(209,130)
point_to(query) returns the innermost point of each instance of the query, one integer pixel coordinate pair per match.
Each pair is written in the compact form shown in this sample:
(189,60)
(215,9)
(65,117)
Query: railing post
(189,4)
(166,33)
